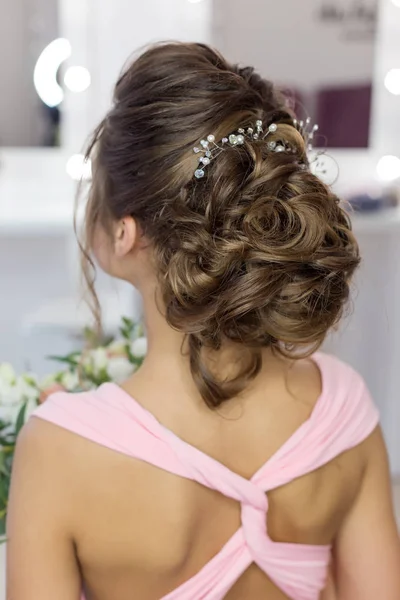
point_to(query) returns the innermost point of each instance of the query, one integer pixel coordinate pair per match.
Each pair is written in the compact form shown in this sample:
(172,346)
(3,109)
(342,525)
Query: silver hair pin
(209,149)
(307,130)
(320,163)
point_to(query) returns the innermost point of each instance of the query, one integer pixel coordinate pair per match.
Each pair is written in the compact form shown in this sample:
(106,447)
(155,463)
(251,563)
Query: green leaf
(127,328)
(59,377)
(20,419)
(30,381)
(134,360)
(4,489)
(71,359)
(3,516)
(98,379)
(66,360)
(96,338)
(3,467)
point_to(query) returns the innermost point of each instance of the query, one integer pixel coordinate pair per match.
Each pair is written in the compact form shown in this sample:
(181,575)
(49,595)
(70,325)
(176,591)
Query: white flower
(119,368)
(21,390)
(70,381)
(7,374)
(9,395)
(6,392)
(99,359)
(26,390)
(9,413)
(13,397)
(139,347)
(116,348)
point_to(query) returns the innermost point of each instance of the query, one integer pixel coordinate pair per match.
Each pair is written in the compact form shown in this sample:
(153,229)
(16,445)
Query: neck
(167,360)
(165,344)
(160,335)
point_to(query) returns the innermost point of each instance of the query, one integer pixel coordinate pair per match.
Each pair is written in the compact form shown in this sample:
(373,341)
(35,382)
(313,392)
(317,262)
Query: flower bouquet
(114,360)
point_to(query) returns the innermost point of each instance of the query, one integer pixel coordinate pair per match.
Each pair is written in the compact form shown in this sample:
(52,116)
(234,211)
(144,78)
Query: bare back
(137,528)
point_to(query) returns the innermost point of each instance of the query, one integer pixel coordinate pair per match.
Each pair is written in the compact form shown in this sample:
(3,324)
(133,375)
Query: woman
(236,463)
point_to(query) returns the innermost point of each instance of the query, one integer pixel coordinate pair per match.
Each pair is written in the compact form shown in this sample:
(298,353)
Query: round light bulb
(388,168)
(46,68)
(77,79)
(392,81)
(78,168)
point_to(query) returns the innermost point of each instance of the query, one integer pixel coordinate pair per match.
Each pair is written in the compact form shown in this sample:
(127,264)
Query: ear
(125,236)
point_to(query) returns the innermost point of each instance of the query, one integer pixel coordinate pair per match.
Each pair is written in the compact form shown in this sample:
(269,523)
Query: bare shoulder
(41,487)
(374,449)
(44,464)
(60,451)
(38,433)
(74,466)
(45,442)
(37,443)
(376,463)
(367,549)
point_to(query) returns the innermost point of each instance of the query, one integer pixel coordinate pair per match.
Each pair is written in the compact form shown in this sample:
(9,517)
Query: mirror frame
(22,170)
(358,167)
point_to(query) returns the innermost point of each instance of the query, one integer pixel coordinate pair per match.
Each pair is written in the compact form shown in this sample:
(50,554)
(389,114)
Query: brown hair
(259,253)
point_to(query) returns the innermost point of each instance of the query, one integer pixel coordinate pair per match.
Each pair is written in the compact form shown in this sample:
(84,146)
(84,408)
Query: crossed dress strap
(341,419)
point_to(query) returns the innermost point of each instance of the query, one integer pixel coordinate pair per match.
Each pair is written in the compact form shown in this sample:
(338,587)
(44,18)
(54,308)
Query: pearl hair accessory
(209,149)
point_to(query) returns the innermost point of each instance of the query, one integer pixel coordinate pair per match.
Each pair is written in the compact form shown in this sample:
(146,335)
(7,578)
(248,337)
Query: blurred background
(339,61)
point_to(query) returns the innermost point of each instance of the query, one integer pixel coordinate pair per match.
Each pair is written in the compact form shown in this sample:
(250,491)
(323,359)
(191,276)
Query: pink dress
(343,417)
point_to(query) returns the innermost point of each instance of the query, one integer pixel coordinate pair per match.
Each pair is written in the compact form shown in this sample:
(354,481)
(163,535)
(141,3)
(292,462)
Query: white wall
(119,29)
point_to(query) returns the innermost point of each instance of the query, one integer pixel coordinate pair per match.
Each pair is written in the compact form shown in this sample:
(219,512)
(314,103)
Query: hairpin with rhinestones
(307,131)
(209,149)
(320,163)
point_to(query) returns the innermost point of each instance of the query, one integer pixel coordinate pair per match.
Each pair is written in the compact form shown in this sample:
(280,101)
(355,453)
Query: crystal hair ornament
(209,149)
(321,164)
